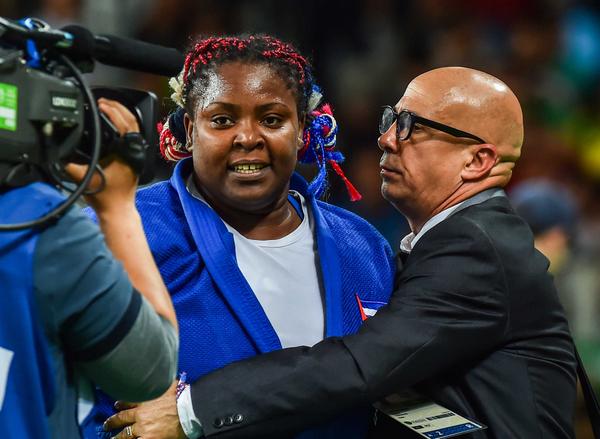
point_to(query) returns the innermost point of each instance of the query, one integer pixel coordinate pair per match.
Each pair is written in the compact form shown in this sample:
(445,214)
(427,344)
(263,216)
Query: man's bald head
(427,167)
(472,101)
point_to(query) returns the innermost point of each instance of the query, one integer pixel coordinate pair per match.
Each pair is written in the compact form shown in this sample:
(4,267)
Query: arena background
(365,52)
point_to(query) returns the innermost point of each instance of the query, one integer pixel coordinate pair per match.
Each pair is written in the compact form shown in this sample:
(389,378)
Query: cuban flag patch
(368,308)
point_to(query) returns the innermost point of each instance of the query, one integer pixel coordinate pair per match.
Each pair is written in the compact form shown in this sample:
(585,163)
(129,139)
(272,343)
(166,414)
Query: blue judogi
(220,318)
(27,385)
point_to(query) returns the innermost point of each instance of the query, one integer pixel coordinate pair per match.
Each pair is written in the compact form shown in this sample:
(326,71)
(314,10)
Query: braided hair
(206,55)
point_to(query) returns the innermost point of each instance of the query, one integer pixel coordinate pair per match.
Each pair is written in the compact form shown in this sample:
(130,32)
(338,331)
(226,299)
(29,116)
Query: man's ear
(189,128)
(482,158)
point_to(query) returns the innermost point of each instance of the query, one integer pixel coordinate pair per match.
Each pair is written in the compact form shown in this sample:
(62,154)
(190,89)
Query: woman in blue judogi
(253,261)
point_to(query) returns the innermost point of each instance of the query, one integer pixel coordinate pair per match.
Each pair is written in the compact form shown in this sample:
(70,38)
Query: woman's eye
(272,121)
(222,121)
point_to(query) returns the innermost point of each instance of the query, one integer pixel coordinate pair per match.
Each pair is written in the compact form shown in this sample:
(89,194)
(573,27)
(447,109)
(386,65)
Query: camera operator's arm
(105,326)
(120,222)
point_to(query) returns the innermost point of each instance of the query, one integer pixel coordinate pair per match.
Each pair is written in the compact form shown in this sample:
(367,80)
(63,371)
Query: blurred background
(366,52)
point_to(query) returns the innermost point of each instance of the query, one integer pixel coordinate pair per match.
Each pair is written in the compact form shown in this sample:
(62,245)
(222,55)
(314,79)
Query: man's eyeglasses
(406,120)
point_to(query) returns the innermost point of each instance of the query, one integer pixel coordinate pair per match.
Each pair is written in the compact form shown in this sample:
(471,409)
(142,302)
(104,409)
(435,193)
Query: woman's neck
(271,222)
(274,224)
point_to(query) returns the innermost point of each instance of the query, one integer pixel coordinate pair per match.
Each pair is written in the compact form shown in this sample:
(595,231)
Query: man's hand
(121,181)
(156,419)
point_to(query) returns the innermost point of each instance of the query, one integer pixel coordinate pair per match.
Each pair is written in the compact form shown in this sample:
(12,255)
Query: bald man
(474,324)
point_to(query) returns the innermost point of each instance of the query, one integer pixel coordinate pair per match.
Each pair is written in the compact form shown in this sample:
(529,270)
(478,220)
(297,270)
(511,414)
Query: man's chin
(394,195)
(390,192)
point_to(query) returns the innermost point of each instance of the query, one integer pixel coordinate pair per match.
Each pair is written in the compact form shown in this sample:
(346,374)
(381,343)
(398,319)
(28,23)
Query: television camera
(49,116)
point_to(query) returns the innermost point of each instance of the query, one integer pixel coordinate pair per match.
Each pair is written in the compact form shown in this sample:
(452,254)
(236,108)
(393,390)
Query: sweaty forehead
(215,87)
(240,81)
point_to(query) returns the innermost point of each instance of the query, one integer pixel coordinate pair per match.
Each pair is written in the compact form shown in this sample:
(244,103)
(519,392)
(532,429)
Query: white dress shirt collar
(410,240)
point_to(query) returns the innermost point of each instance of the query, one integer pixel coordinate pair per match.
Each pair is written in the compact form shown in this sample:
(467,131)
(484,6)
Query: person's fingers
(128,432)
(128,116)
(122,118)
(120,420)
(124,405)
(77,172)
(115,116)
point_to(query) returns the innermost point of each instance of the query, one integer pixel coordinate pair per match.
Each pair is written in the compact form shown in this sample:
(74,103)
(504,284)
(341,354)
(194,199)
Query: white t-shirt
(283,275)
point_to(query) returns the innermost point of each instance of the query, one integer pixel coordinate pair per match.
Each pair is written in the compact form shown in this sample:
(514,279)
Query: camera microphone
(124,52)
(80,43)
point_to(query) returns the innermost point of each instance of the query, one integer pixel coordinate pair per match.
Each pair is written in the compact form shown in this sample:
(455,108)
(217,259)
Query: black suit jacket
(474,323)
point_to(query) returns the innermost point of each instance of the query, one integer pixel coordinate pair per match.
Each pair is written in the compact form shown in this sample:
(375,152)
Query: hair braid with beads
(206,55)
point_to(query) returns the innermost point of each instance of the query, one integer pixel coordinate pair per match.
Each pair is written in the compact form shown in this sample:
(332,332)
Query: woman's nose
(248,135)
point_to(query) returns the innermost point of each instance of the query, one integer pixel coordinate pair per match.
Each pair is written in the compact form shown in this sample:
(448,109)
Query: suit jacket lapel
(215,245)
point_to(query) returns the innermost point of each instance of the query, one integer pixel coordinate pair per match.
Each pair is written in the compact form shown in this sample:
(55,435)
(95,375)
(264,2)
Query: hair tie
(176,84)
(315,99)
(320,137)
(170,148)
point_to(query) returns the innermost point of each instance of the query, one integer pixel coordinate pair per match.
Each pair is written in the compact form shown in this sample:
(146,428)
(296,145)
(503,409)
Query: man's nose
(388,141)
(248,135)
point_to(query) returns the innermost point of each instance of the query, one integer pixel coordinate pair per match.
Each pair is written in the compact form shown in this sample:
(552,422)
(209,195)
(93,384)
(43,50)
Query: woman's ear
(300,142)
(482,158)
(189,129)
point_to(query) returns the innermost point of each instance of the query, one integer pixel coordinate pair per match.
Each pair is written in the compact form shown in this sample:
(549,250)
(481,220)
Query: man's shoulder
(488,219)
(488,211)
(75,227)
(496,219)
(491,226)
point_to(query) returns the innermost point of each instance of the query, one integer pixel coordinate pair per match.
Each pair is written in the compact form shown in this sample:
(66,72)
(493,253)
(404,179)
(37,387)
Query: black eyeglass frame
(413,119)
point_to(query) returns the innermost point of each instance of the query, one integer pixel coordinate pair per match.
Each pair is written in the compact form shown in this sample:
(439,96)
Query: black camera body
(41,119)
(49,116)
(44,120)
